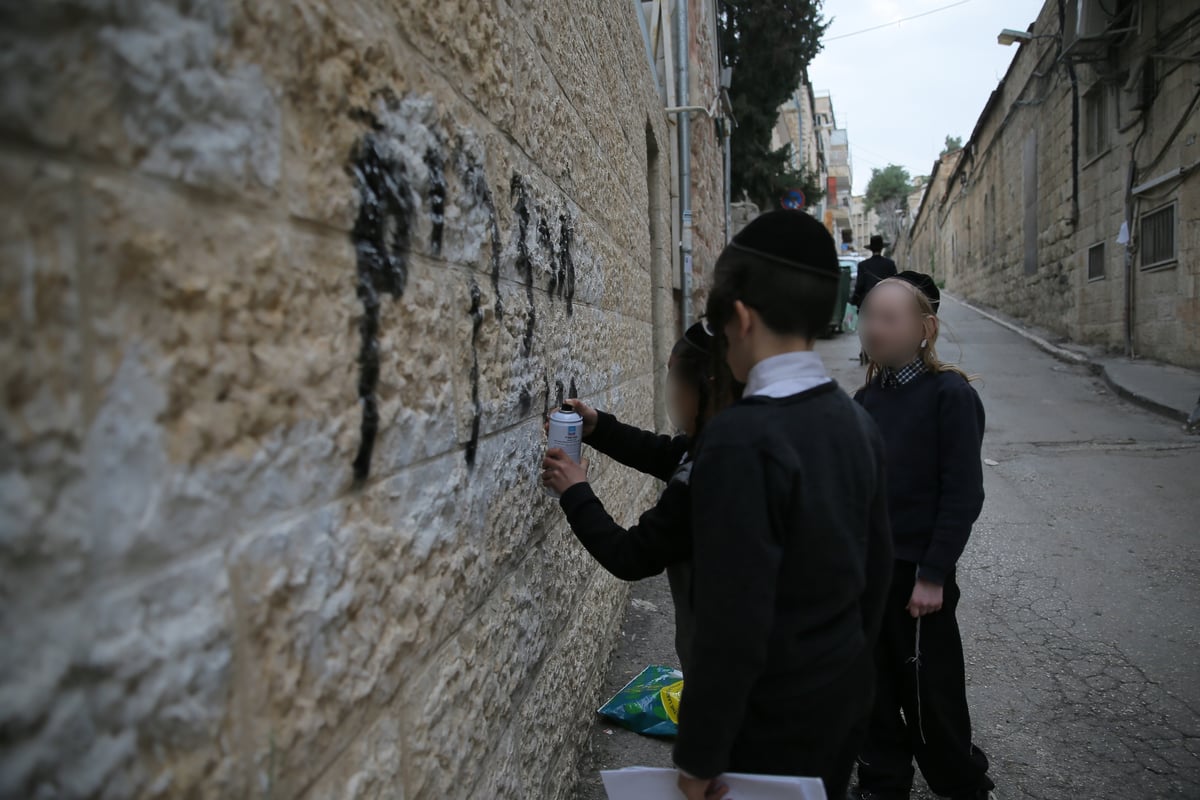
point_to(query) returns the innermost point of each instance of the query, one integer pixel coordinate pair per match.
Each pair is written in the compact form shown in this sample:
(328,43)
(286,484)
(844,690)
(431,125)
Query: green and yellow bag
(649,704)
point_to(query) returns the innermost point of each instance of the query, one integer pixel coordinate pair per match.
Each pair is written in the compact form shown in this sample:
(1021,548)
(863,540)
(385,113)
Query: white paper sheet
(645,783)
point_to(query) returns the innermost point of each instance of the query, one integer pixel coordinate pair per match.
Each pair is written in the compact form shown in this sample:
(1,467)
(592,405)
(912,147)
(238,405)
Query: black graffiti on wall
(389,191)
(477,416)
(562,282)
(520,196)
(381,236)
(475,180)
(437,198)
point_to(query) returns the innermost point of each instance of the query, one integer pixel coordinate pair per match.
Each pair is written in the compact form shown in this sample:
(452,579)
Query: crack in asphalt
(1088,708)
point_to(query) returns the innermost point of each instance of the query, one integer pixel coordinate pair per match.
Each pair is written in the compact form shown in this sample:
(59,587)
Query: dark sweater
(933,430)
(792,558)
(870,272)
(662,537)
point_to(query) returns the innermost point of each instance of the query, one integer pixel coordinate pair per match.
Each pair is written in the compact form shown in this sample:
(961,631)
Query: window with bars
(1095,262)
(1157,238)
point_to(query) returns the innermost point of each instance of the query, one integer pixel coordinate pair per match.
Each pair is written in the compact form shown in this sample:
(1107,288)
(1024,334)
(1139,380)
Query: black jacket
(933,430)
(792,556)
(662,537)
(870,272)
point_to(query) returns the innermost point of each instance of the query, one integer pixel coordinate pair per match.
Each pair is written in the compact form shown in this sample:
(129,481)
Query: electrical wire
(1174,132)
(894,22)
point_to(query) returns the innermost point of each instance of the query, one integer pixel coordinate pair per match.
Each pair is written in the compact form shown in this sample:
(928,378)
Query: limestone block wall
(974,232)
(287,288)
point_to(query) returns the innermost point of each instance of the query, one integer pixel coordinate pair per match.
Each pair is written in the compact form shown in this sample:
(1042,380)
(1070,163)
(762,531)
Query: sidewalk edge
(1143,401)
(1072,357)
(1061,353)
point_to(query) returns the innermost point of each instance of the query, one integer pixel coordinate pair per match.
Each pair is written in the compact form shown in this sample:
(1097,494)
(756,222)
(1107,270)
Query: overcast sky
(899,90)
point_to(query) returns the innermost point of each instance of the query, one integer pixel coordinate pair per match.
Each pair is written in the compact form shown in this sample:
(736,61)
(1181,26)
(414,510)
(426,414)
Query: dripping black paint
(476,323)
(437,198)
(381,236)
(518,193)
(566,264)
(546,245)
(474,177)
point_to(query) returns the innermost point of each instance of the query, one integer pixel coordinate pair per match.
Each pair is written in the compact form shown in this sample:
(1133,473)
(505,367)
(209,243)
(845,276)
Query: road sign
(793,199)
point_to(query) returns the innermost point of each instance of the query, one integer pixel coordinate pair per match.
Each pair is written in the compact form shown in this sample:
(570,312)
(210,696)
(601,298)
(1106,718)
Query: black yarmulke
(697,336)
(925,284)
(790,238)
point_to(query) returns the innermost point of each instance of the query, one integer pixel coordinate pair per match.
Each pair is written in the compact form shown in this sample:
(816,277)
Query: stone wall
(287,291)
(1027,175)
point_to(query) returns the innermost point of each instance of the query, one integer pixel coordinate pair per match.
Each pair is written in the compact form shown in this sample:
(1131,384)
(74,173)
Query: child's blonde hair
(928,352)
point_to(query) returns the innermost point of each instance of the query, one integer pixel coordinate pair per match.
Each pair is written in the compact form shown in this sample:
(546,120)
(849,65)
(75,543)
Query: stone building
(923,248)
(835,141)
(287,291)
(1075,205)
(864,223)
(796,128)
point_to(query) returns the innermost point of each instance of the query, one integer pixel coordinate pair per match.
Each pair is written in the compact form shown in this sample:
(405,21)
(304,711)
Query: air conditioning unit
(1083,20)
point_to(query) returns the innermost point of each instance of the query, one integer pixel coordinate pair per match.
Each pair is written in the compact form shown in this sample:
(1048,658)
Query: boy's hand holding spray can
(563,465)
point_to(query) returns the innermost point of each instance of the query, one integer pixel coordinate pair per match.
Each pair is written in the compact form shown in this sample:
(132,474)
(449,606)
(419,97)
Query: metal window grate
(1157,237)
(1095,262)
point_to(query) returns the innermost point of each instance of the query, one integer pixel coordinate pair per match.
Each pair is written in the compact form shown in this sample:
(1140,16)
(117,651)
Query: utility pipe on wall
(682,56)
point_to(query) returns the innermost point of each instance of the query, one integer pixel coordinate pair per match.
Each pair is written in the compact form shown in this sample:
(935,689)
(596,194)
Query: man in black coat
(871,271)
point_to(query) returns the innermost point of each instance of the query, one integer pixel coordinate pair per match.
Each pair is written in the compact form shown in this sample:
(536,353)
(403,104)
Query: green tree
(768,43)
(953,144)
(887,186)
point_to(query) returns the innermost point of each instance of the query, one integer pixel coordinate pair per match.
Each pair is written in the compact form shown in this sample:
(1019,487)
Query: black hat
(876,245)
(792,239)
(697,338)
(924,284)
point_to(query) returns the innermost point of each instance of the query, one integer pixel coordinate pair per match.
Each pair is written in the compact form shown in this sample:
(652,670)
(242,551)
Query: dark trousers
(921,702)
(815,735)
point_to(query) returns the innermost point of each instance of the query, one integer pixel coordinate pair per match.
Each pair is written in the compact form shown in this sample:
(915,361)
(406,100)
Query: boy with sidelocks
(791,546)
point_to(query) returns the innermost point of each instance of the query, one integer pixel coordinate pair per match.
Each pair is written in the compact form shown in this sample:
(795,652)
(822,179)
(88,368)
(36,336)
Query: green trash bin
(843,296)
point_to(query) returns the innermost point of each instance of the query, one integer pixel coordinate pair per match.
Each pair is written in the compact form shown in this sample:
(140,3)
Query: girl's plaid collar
(892,378)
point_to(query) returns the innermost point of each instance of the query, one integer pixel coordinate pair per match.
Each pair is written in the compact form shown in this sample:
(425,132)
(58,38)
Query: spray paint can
(566,432)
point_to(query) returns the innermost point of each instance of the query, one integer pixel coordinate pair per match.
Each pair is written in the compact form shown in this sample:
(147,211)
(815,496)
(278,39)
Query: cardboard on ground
(646,783)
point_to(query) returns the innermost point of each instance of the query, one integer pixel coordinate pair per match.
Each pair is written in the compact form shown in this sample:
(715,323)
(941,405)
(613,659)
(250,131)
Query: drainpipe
(682,55)
(1130,212)
(725,123)
(1070,65)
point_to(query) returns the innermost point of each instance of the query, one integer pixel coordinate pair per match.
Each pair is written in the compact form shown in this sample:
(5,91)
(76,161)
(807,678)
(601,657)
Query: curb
(1142,400)
(1072,357)
(1061,353)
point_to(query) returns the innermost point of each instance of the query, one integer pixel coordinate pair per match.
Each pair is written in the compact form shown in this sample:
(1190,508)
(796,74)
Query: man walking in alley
(870,272)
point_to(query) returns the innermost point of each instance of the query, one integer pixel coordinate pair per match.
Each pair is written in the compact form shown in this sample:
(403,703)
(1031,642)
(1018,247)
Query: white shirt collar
(786,374)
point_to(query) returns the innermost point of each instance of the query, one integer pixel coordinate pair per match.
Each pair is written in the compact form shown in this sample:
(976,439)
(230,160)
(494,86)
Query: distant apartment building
(836,143)
(796,127)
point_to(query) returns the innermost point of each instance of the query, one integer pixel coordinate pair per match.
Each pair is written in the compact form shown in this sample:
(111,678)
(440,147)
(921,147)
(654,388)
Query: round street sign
(793,199)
